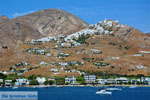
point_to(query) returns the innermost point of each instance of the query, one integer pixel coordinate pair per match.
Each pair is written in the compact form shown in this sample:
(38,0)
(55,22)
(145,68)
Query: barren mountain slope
(11,32)
(53,22)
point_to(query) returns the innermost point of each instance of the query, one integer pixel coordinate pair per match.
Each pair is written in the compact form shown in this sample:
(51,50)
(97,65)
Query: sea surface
(86,93)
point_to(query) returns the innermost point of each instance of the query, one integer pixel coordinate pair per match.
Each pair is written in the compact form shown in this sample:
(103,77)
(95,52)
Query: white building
(5,72)
(19,74)
(140,67)
(115,58)
(41,80)
(1,80)
(145,52)
(111,81)
(70,80)
(63,64)
(54,70)
(95,51)
(51,79)
(47,39)
(90,78)
(43,63)
(8,82)
(101,81)
(135,80)
(145,79)
(25,69)
(138,55)
(122,79)
(21,82)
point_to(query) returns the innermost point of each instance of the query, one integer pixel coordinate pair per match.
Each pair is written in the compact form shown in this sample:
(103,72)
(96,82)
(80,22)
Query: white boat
(113,89)
(15,87)
(133,87)
(103,92)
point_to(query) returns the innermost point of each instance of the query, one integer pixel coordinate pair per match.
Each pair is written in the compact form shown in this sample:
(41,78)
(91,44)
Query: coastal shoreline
(86,86)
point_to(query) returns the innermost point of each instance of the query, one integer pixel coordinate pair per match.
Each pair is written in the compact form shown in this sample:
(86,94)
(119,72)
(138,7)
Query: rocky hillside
(11,32)
(105,46)
(53,22)
(49,22)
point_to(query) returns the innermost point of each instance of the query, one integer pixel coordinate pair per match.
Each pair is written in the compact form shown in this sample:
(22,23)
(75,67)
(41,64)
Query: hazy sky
(135,13)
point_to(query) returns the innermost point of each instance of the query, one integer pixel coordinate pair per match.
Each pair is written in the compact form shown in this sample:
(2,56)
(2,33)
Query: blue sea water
(86,93)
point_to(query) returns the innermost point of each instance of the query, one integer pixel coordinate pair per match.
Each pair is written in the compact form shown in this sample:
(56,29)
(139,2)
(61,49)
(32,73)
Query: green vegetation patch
(82,38)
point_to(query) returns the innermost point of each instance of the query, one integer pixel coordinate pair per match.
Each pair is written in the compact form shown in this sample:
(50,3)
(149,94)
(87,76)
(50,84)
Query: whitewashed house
(95,51)
(138,55)
(63,64)
(41,80)
(45,39)
(43,63)
(19,74)
(54,70)
(115,58)
(25,69)
(65,44)
(140,67)
(12,70)
(5,72)
(63,54)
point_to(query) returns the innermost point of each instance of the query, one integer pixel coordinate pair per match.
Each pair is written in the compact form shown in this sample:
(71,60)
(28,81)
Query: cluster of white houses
(37,51)
(103,27)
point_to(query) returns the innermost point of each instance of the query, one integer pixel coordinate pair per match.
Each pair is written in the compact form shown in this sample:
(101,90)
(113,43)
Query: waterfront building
(90,78)
(70,80)
(110,81)
(41,80)
(145,80)
(21,82)
(122,79)
(8,82)
(101,81)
